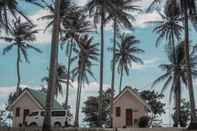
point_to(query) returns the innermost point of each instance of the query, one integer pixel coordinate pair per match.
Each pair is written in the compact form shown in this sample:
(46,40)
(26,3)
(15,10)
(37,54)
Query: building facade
(128,108)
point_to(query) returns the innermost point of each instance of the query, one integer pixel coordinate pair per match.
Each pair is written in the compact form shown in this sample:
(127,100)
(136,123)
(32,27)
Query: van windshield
(34,114)
(43,113)
(58,113)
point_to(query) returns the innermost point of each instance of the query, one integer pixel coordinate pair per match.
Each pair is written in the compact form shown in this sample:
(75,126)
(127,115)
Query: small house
(27,102)
(128,108)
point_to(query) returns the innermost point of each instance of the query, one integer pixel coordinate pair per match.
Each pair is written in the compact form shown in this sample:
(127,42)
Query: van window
(58,113)
(34,114)
(43,113)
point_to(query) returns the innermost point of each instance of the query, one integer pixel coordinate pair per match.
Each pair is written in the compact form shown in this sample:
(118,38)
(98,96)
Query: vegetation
(90,110)
(188,10)
(175,74)
(71,27)
(125,54)
(21,35)
(144,122)
(154,99)
(86,55)
(184,114)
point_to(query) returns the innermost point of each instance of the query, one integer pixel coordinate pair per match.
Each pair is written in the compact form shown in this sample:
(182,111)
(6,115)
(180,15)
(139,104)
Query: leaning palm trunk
(18,71)
(178,84)
(121,76)
(113,71)
(68,76)
(100,108)
(188,68)
(53,66)
(178,101)
(76,123)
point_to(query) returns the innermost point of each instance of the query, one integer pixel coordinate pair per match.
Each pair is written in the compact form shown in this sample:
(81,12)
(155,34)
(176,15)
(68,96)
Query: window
(26,112)
(43,113)
(58,113)
(17,112)
(34,114)
(118,111)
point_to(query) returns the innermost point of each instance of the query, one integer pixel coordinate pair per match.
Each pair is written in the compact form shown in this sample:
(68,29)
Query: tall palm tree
(99,9)
(188,10)
(120,18)
(169,28)
(61,78)
(52,67)
(75,23)
(175,73)
(126,53)
(86,54)
(66,6)
(21,35)
(10,10)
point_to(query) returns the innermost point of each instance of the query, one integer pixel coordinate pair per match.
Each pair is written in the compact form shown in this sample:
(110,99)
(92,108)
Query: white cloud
(149,63)
(143,19)
(41,37)
(5,91)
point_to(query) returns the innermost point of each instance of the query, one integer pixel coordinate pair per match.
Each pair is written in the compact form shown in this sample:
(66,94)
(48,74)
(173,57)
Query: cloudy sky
(141,76)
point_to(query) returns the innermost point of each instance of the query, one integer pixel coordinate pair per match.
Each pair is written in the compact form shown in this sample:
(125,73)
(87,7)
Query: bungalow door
(25,114)
(129,117)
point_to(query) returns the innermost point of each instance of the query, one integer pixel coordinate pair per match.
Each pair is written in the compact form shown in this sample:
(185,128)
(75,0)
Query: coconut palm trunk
(76,123)
(121,76)
(190,83)
(68,76)
(178,84)
(178,100)
(100,108)
(113,70)
(52,70)
(18,70)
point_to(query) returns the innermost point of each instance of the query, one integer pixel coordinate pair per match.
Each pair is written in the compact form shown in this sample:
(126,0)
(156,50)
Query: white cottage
(29,101)
(128,108)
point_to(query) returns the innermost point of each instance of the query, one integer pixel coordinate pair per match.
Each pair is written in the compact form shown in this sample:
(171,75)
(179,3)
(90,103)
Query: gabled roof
(39,98)
(130,90)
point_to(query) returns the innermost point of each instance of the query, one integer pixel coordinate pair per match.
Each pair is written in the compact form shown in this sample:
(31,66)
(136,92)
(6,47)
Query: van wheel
(57,125)
(33,125)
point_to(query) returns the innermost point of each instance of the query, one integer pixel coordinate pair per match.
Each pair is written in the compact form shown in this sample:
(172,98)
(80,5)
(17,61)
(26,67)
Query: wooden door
(25,114)
(129,117)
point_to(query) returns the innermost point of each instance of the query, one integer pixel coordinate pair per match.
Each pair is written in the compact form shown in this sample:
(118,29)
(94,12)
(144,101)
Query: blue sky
(141,76)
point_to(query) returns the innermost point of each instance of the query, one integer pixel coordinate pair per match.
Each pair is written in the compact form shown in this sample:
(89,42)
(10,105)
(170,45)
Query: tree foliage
(152,98)
(91,110)
(184,114)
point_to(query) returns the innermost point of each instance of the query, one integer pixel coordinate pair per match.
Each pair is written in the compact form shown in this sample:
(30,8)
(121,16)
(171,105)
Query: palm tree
(99,9)
(10,10)
(61,78)
(21,35)
(74,25)
(86,54)
(125,54)
(175,74)
(188,10)
(52,67)
(169,29)
(120,18)
(66,6)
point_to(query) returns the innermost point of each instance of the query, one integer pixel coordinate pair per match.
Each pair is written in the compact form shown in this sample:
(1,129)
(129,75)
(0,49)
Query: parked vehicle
(58,119)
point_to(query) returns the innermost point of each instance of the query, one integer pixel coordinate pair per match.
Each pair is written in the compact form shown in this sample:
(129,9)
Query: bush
(144,122)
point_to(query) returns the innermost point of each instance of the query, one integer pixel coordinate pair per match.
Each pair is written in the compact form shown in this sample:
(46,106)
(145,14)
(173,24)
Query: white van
(58,119)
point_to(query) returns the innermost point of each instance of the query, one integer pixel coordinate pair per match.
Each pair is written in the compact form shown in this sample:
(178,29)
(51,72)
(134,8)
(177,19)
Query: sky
(141,76)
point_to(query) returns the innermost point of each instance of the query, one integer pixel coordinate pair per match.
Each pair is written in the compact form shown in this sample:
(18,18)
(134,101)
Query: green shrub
(144,122)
